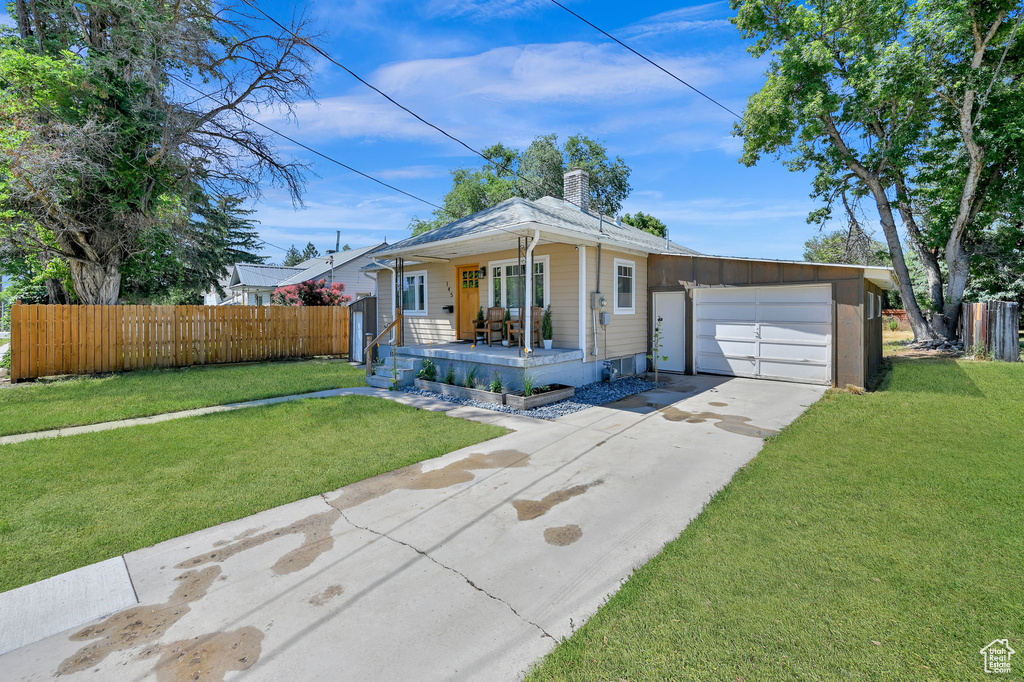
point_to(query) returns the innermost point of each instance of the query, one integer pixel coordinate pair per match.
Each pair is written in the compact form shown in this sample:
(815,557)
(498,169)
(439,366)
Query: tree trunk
(922,330)
(96,283)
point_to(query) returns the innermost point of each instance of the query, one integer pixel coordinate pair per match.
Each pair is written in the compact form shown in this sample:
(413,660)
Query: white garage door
(782,332)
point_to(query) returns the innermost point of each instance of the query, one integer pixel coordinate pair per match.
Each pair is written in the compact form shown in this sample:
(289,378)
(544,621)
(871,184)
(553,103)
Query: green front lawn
(72,501)
(878,537)
(74,402)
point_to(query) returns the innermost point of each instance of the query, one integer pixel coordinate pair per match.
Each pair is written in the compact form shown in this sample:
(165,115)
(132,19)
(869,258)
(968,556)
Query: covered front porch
(483,363)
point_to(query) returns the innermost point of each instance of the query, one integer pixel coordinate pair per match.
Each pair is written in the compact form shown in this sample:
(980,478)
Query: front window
(508,282)
(414,293)
(625,286)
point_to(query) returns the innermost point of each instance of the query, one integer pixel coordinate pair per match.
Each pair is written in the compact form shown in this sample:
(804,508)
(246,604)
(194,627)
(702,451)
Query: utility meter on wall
(597,300)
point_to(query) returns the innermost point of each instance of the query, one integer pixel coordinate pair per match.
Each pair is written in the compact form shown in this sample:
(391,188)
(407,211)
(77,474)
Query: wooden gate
(49,340)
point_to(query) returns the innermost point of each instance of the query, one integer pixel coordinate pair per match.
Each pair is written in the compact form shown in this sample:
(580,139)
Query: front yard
(878,537)
(68,502)
(72,402)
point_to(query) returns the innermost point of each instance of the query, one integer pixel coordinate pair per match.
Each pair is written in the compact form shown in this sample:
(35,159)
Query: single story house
(254,284)
(616,293)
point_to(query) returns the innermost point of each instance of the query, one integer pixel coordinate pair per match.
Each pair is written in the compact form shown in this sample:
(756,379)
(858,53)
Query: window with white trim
(414,293)
(508,281)
(625,287)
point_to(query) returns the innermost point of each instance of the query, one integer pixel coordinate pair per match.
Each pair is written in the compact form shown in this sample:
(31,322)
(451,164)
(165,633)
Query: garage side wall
(675,273)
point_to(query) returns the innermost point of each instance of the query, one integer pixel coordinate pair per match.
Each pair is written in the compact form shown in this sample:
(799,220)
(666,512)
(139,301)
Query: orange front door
(468,278)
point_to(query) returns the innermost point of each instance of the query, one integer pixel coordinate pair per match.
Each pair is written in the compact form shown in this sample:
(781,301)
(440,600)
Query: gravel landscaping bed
(586,396)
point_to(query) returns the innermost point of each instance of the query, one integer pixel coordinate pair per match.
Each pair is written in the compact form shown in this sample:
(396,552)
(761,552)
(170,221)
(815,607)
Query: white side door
(670,309)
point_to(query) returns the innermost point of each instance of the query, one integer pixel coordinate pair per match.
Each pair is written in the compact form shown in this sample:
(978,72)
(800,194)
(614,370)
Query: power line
(646,59)
(328,57)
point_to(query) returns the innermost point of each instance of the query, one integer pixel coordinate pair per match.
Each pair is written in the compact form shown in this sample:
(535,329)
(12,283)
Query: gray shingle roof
(550,211)
(318,267)
(253,275)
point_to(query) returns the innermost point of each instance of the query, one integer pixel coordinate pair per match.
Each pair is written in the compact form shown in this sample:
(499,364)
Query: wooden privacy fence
(51,340)
(991,327)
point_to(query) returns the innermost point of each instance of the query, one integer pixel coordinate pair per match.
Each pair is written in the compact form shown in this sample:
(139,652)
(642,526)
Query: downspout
(593,302)
(528,309)
(394,276)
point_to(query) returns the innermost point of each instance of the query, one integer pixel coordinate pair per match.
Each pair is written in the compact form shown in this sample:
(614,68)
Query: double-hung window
(508,284)
(625,287)
(414,293)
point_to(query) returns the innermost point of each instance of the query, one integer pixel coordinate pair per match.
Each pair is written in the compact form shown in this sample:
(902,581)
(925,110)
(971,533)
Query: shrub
(311,293)
(495,384)
(528,382)
(429,371)
(471,377)
(449,376)
(547,329)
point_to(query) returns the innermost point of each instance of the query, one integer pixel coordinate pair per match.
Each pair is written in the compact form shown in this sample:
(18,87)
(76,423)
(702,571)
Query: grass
(73,402)
(878,537)
(72,501)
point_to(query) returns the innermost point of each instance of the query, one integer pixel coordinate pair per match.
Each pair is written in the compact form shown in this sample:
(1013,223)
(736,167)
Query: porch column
(528,297)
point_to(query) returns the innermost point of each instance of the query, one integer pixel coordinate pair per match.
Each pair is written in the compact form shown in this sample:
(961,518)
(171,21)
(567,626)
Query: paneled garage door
(782,332)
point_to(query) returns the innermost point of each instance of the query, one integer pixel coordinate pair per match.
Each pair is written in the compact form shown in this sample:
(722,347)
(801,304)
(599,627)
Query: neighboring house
(609,286)
(254,284)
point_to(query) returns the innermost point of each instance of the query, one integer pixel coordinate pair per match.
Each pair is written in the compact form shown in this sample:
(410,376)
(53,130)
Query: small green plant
(504,327)
(528,382)
(980,352)
(894,324)
(547,329)
(429,371)
(655,357)
(480,315)
(544,389)
(495,384)
(5,358)
(471,377)
(449,376)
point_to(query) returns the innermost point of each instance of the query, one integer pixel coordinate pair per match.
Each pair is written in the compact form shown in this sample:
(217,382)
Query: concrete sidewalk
(470,566)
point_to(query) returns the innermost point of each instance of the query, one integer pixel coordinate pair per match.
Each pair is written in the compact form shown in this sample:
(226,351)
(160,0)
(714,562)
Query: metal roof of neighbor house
(556,213)
(254,275)
(314,268)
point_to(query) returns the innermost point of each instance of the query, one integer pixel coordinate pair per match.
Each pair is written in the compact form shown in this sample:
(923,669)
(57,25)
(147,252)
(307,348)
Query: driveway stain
(719,404)
(530,509)
(241,536)
(138,625)
(414,478)
(561,536)
(726,422)
(315,528)
(327,595)
(209,657)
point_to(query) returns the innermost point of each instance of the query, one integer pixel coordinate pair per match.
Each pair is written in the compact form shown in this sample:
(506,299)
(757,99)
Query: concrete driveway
(468,567)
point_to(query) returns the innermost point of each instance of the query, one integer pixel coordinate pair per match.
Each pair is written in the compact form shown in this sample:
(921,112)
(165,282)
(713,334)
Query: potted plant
(504,327)
(547,330)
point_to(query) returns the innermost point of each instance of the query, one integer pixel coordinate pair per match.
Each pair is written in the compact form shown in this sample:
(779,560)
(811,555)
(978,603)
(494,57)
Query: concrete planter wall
(460,391)
(558,392)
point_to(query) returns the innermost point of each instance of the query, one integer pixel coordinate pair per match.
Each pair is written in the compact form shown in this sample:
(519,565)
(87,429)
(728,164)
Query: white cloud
(697,18)
(483,9)
(515,92)
(413,173)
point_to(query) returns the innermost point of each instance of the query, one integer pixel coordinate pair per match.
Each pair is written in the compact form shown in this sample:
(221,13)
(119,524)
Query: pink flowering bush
(311,293)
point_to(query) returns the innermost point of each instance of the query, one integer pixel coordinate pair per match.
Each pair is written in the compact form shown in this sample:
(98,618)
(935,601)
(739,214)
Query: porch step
(378,382)
(404,372)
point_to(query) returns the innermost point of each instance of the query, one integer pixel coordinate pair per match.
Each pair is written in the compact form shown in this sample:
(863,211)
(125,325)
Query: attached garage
(785,321)
(776,332)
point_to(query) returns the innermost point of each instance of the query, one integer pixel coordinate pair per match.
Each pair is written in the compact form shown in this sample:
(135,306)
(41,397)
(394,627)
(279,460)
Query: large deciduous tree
(103,139)
(914,106)
(532,173)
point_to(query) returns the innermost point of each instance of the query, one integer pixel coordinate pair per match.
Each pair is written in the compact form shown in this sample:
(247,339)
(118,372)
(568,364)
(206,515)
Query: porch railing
(370,352)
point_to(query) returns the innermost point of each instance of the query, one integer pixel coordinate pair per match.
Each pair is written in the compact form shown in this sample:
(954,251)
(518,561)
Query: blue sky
(509,70)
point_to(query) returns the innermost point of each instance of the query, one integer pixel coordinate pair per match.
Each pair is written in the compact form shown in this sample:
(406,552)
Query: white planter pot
(504,342)
(547,344)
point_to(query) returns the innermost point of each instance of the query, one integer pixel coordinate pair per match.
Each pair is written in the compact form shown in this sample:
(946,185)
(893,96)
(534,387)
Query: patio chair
(493,325)
(515,327)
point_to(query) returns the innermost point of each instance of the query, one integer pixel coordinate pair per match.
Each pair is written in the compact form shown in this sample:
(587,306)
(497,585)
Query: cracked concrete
(430,573)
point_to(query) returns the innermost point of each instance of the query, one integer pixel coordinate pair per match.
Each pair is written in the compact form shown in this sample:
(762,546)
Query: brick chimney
(576,188)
